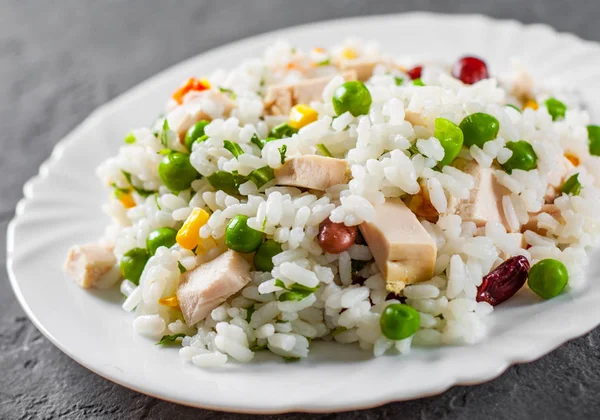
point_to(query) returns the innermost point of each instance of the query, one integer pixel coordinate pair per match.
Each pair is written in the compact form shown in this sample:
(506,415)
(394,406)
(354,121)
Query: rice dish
(345,194)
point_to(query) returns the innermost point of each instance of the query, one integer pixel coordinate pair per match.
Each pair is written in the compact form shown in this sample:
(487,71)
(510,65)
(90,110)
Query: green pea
(548,278)
(133,263)
(353,97)
(571,186)
(176,171)
(594,137)
(161,237)
(263,259)
(399,321)
(556,108)
(451,138)
(418,82)
(523,157)
(240,237)
(479,128)
(195,132)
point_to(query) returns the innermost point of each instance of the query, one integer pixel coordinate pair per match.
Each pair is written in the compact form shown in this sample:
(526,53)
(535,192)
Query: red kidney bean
(470,70)
(503,282)
(336,237)
(415,72)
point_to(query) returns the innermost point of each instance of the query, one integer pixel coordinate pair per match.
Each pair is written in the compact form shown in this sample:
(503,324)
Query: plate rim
(558,338)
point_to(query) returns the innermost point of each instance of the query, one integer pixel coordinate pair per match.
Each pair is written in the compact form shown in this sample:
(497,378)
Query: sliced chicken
(88,264)
(313,172)
(204,105)
(534,219)
(556,179)
(210,284)
(280,99)
(363,67)
(485,200)
(402,248)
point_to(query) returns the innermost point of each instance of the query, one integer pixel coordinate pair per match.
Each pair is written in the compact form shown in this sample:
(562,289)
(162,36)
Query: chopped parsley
(164,134)
(233,147)
(323,149)
(255,140)
(170,340)
(261,176)
(295,292)
(282,130)
(182,269)
(282,151)
(140,191)
(249,312)
(229,91)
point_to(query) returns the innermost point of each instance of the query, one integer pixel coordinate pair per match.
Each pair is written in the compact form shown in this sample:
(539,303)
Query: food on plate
(313,172)
(90,265)
(348,195)
(403,250)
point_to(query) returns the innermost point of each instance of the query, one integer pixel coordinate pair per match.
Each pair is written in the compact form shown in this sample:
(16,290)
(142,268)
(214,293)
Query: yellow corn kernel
(318,50)
(572,158)
(349,53)
(189,234)
(531,103)
(205,83)
(126,199)
(302,115)
(170,301)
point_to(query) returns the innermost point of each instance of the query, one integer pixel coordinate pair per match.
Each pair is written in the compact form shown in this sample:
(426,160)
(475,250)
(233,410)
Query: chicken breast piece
(210,284)
(87,264)
(312,171)
(534,219)
(280,99)
(402,248)
(485,200)
(363,67)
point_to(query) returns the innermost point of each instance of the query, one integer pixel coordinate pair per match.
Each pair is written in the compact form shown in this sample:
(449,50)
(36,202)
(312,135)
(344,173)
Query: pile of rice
(346,307)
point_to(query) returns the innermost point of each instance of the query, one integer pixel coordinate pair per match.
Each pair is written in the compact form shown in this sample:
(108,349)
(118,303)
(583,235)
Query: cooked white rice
(347,305)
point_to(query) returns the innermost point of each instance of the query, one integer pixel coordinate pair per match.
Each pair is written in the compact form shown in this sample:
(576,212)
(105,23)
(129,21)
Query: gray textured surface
(60,60)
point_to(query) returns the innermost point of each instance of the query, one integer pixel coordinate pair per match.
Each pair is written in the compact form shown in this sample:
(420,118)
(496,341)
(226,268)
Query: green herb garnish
(261,176)
(282,130)
(323,149)
(164,134)
(140,191)
(260,143)
(233,147)
(282,151)
(182,269)
(229,91)
(170,340)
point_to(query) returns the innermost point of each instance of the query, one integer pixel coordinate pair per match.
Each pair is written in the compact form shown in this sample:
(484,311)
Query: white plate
(62,207)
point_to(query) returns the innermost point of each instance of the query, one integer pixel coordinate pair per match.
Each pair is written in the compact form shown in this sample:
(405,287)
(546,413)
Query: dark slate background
(61,59)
